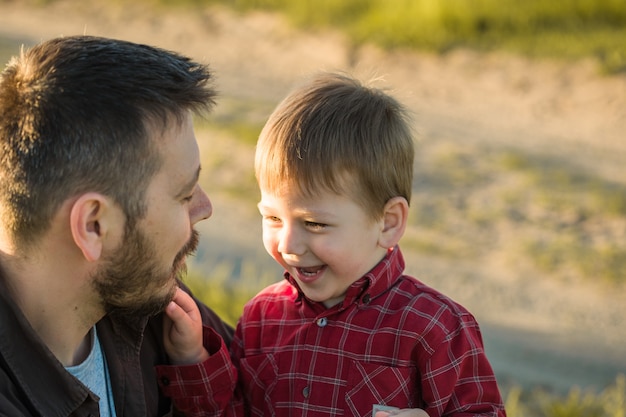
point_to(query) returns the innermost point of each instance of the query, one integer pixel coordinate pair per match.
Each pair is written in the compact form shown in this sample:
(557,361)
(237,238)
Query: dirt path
(538,332)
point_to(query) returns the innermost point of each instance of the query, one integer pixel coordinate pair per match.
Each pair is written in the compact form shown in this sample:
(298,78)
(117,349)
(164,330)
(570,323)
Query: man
(99,193)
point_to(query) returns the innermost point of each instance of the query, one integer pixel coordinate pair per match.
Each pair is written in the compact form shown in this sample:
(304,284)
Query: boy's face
(325,242)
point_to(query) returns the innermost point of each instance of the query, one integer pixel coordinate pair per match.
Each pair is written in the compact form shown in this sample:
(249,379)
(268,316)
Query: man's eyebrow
(187,188)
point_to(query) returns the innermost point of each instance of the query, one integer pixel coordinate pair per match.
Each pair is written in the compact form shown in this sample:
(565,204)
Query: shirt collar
(370,285)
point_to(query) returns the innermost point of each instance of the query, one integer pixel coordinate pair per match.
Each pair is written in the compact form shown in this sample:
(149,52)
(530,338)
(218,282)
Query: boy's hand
(182,331)
(407,412)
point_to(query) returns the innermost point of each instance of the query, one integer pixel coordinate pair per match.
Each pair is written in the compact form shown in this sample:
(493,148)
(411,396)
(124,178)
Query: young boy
(346,333)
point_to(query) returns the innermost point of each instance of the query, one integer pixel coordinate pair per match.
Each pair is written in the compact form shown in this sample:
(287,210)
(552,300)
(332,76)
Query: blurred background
(519,205)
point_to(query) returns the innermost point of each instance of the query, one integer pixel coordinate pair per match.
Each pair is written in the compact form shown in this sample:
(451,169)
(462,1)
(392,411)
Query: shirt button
(165,381)
(321,322)
(366,299)
(306,391)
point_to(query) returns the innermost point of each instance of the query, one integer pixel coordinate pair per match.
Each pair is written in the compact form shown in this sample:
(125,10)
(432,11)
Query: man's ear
(90,222)
(395,216)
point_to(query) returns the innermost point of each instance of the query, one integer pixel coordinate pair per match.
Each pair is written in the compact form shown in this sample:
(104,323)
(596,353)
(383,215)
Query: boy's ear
(92,218)
(395,216)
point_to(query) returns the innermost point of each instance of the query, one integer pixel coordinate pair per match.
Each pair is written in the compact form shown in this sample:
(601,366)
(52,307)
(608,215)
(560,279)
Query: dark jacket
(34,383)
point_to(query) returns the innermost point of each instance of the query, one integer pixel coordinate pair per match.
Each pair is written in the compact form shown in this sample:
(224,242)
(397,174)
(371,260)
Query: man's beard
(133,283)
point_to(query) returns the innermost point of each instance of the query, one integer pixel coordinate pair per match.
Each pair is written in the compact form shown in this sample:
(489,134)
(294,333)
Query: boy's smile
(310,274)
(325,242)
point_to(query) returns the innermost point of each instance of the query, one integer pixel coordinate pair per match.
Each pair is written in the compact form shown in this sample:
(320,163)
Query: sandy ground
(537,332)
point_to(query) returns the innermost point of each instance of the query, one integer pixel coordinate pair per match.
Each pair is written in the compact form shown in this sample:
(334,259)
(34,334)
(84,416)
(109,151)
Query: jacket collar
(35,370)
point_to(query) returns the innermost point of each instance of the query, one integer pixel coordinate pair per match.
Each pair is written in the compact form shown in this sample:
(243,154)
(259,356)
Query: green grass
(570,203)
(561,187)
(241,119)
(566,29)
(224,290)
(605,262)
(565,219)
(610,402)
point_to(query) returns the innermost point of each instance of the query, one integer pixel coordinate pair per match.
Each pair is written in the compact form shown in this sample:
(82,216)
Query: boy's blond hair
(336,134)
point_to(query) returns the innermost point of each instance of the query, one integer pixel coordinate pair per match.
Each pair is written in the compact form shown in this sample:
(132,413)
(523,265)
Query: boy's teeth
(309,271)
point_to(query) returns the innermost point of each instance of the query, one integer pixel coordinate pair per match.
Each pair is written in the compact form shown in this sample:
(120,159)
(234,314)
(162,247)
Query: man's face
(140,275)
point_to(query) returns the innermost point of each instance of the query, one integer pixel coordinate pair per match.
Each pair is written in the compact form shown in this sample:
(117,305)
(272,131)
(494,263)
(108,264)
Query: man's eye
(188,198)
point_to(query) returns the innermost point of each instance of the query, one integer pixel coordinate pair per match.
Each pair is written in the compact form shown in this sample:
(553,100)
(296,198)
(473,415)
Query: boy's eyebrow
(262,207)
(305,211)
(191,184)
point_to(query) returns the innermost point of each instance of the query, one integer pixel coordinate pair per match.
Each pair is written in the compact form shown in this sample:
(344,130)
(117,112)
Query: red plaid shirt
(204,389)
(392,341)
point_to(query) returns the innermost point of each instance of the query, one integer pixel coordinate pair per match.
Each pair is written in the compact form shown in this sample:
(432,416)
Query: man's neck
(60,309)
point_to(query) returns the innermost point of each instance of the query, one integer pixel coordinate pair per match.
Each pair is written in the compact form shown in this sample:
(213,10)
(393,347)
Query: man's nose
(201,207)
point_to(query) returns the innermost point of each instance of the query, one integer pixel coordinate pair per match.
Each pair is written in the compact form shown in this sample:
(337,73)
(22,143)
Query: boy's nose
(290,241)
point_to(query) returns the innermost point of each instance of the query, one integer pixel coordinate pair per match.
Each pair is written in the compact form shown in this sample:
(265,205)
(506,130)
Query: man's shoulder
(12,399)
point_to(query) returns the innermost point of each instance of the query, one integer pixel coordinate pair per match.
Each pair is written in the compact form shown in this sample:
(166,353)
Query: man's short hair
(75,116)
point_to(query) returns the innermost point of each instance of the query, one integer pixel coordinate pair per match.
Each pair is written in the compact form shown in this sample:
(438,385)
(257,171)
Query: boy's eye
(315,225)
(271,219)
(188,198)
